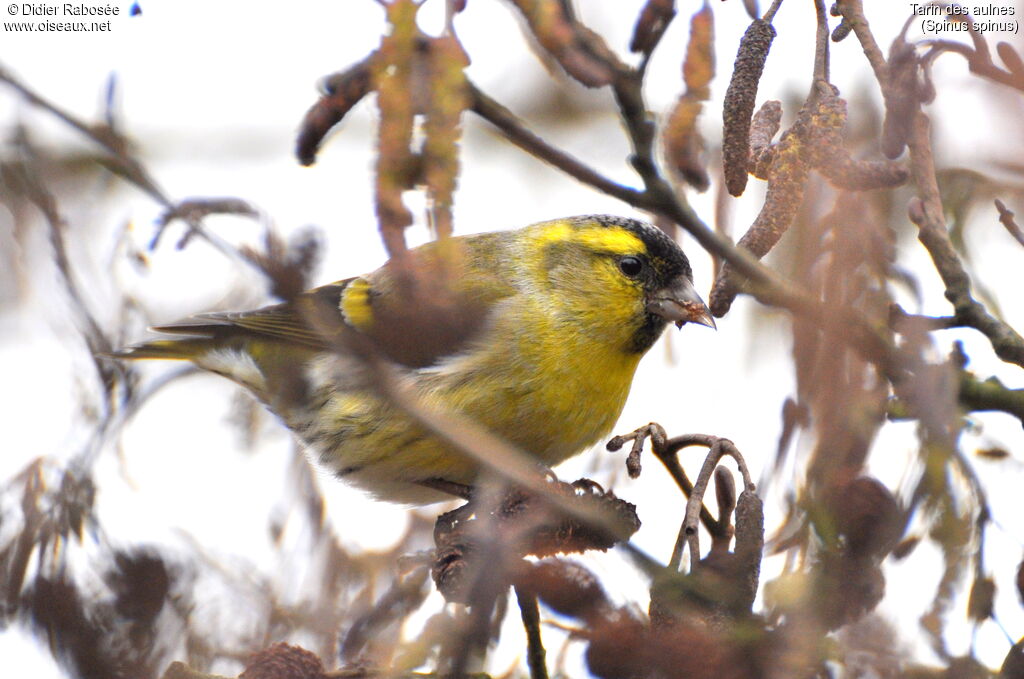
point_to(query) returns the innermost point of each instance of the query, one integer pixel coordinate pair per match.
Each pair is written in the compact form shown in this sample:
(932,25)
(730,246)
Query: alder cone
(865,515)
(282,661)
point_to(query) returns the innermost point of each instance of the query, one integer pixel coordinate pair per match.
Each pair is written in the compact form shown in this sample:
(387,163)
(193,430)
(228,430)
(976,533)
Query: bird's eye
(631,266)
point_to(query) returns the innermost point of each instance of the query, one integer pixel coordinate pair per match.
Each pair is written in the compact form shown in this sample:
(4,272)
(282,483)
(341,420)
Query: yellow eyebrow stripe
(355,304)
(612,240)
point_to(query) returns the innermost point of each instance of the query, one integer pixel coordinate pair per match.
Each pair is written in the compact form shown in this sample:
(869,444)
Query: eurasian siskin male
(537,339)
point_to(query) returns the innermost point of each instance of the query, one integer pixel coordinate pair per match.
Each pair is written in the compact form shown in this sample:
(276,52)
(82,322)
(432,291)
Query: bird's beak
(679,302)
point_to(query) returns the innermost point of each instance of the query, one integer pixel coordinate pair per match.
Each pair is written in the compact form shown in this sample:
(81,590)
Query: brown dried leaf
(905,547)
(981,600)
(866,515)
(699,66)
(1013,664)
(623,646)
(651,24)
(564,586)
(684,145)
(141,580)
(845,590)
(288,265)
(523,524)
(997,454)
(616,650)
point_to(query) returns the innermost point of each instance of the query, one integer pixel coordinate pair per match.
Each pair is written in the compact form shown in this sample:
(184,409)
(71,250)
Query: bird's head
(618,278)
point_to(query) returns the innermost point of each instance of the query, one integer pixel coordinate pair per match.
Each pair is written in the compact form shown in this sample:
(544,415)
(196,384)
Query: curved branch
(927,213)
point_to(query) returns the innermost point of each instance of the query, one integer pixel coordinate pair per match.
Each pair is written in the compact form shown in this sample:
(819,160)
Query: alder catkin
(739,103)
(902,97)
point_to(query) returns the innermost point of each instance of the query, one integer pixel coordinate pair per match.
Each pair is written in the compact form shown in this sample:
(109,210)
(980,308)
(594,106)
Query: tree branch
(927,213)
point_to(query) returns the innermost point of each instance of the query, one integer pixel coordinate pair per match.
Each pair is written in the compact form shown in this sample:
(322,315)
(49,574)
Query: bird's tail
(216,344)
(201,335)
(168,349)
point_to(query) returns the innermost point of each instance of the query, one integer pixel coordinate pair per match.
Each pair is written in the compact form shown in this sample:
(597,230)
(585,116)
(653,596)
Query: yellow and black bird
(534,334)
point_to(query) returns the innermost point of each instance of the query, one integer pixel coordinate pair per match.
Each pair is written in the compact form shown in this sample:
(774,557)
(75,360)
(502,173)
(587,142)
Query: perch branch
(927,213)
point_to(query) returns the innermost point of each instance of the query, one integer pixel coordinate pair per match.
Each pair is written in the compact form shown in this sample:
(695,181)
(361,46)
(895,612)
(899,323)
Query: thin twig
(667,451)
(120,161)
(113,143)
(513,129)
(977,62)
(853,14)
(821,42)
(450,10)
(990,394)
(664,203)
(628,90)
(766,286)
(688,534)
(535,654)
(35,192)
(902,322)
(1007,220)
(769,15)
(927,213)
(658,198)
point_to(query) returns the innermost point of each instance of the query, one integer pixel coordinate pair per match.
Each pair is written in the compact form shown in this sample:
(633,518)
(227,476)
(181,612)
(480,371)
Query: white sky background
(213,92)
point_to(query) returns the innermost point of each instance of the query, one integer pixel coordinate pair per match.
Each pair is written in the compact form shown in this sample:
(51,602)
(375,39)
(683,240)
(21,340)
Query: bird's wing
(440,307)
(415,326)
(285,322)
